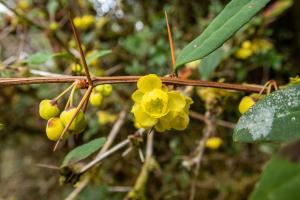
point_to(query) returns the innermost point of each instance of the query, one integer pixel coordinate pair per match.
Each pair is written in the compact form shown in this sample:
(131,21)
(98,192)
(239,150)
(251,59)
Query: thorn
(171,42)
(82,56)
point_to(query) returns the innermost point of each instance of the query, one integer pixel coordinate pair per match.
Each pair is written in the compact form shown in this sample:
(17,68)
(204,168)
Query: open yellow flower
(156,107)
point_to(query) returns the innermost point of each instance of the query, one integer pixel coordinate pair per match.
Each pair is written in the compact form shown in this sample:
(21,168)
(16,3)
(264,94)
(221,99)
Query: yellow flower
(155,106)
(261,45)
(245,51)
(24,5)
(214,143)
(106,118)
(87,21)
(84,22)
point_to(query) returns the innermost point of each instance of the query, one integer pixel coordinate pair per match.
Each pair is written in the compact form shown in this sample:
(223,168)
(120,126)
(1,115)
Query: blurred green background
(36,39)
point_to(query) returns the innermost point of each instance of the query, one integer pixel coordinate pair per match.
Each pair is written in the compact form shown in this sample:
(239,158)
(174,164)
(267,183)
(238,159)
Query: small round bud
(78,124)
(246,103)
(76,68)
(48,109)
(54,128)
(107,88)
(53,26)
(77,22)
(214,143)
(96,98)
(99,88)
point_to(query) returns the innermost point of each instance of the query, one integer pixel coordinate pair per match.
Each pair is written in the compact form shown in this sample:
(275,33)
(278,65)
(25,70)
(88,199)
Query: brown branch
(207,132)
(219,122)
(129,79)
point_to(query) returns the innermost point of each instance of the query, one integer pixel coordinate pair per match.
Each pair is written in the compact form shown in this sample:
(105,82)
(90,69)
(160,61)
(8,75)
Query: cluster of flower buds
(98,93)
(57,120)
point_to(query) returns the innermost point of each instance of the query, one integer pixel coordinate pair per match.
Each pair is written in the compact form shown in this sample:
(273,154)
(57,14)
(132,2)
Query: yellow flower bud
(48,109)
(96,99)
(23,4)
(214,143)
(107,88)
(53,26)
(77,22)
(78,124)
(106,118)
(243,53)
(54,128)
(76,68)
(246,103)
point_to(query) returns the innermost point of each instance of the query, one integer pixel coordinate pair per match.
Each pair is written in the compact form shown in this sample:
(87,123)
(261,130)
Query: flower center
(155,103)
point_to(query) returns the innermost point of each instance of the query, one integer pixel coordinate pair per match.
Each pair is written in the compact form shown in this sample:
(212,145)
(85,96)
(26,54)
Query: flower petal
(181,121)
(137,96)
(176,101)
(143,118)
(149,82)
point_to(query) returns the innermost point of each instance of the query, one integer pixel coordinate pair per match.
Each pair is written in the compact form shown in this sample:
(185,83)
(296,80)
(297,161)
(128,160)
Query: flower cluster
(157,107)
(57,121)
(84,22)
(99,91)
(249,48)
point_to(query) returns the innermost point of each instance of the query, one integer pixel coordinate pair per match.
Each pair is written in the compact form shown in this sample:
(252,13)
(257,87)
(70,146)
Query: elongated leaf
(280,180)
(274,118)
(39,58)
(210,63)
(95,55)
(231,19)
(83,151)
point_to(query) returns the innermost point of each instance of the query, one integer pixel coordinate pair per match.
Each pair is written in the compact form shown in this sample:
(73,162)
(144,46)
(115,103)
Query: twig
(105,155)
(117,147)
(112,135)
(149,148)
(209,129)
(47,166)
(84,98)
(219,122)
(119,189)
(78,189)
(114,132)
(138,191)
(129,79)
(44,73)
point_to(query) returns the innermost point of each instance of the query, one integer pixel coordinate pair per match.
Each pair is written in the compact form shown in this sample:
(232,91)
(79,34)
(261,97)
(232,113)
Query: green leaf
(52,7)
(39,58)
(274,118)
(230,20)
(95,55)
(210,63)
(280,180)
(83,151)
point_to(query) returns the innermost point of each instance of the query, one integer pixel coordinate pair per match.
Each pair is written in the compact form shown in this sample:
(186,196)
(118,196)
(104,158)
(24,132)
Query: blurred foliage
(36,38)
